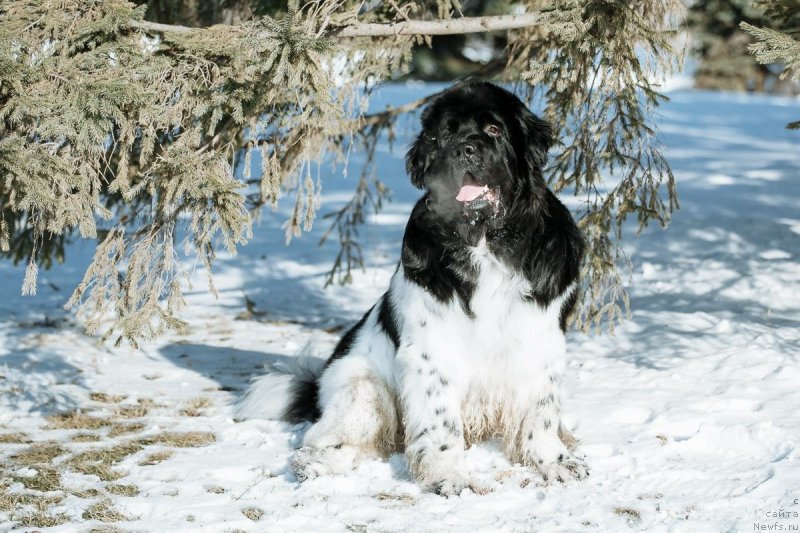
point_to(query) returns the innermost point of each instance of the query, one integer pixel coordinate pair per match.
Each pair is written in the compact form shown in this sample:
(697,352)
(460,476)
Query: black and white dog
(468,342)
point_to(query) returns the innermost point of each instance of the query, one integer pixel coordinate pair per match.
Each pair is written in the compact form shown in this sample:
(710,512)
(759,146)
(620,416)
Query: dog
(468,341)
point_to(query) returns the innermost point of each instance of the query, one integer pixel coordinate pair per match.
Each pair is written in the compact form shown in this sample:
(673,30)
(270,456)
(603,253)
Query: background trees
(723,44)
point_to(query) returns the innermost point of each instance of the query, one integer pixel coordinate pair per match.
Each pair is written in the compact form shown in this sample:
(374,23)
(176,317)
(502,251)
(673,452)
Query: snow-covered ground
(689,416)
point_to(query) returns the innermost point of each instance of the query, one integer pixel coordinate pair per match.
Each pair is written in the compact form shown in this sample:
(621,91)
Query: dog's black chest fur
(546,248)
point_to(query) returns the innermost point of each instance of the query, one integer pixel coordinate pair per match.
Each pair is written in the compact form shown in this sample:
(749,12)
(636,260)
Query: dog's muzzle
(476,195)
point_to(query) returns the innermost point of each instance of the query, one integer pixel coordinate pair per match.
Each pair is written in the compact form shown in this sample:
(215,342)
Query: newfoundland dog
(468,342)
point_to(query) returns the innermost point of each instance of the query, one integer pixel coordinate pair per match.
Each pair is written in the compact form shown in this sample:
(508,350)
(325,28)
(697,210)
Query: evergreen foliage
(597,70)
(721,46)
(774,46)
(117,129)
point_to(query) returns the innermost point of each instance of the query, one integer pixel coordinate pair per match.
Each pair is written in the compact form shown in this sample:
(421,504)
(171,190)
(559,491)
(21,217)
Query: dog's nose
(468,150)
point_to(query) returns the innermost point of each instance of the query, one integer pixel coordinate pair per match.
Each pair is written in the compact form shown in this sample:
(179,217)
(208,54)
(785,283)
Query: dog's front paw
(443,474)
(448,486)
(566,468)
(306,465)
(309,463)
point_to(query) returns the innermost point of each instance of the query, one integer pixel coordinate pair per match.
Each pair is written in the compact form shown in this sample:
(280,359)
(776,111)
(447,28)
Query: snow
(689,415)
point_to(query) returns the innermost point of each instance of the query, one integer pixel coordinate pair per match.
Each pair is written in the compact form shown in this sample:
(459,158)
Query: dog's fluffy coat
(468,342)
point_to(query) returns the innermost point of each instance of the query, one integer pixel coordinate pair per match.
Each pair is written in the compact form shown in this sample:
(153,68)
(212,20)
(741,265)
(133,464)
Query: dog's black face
(480,154)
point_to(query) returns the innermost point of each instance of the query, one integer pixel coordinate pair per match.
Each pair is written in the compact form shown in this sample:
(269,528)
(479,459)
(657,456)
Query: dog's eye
(493,130)
(430,137)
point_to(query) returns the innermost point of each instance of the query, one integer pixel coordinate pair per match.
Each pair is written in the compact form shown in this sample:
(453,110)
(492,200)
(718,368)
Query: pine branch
(188,110)
(773,46)
(456,26)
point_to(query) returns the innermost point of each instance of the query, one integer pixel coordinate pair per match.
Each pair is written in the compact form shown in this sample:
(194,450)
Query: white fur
(454,380)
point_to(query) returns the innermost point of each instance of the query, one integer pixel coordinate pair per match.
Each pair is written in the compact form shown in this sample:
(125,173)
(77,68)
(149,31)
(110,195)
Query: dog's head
(480,154)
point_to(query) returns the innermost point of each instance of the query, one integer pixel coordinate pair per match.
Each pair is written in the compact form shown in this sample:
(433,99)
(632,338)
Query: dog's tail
(289,391)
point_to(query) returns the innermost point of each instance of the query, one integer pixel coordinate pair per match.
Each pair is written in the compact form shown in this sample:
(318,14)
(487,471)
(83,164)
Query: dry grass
(46,479)
(106,529)
(40,453)
(10,502)
(36,517)
(14,438)
(132,411)
(104,472)
(629,513)
(188,439)
(106,398)
(103,511)
(123,490)
(386,496)
(124,429)
(41,519)
(156,457)
(194,407)
(85,437)
(98,461)
(253,513)
(85,494)
(107,456)
(75,420)
(215,489)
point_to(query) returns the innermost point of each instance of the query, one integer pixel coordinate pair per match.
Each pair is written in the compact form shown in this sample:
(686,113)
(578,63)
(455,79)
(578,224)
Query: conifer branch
(190,113)
(454,26)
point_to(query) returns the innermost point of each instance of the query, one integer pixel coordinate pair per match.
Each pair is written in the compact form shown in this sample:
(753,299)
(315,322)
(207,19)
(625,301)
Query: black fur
(566,311)
(431,265)
(533,234)
(388,321)
(305,401)
(343,347)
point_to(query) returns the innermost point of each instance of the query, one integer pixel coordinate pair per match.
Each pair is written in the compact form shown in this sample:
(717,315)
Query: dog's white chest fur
(492,359)
(501,325)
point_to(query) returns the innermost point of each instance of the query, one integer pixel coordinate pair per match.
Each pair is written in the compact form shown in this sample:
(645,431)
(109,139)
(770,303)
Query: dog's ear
(417,161)
(538,137)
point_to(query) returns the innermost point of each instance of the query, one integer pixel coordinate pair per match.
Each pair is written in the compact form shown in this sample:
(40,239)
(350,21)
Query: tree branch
(456,26)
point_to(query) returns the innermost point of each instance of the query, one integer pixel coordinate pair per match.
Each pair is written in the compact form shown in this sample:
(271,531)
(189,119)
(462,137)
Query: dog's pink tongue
(470,192)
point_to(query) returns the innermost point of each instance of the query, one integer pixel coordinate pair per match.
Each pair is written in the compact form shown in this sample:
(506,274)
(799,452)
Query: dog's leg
(433,424)
(358,419)
(540,443)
